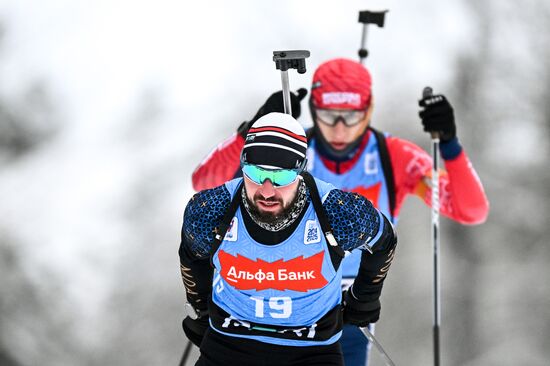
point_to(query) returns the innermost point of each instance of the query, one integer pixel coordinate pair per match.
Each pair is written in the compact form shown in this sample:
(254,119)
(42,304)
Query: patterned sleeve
(202,217)
(354,220)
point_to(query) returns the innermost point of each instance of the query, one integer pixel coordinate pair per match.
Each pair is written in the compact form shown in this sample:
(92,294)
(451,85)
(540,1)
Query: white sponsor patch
(231,234)
(341,98)
(371,166)
(312,234)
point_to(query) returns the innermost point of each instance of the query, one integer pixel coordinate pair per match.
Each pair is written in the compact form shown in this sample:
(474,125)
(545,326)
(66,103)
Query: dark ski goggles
(332,116)
(278,177)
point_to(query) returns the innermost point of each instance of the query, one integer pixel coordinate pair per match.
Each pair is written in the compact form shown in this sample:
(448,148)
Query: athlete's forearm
(196,274)
(462,196)
(374,267)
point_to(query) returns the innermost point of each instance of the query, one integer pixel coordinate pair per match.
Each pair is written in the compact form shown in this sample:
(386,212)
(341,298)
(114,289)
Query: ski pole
(285,60)
(378,346)
(428,92)
(369,17)
(186,353)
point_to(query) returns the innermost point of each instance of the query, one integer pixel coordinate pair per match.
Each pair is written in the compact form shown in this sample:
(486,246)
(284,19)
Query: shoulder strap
(226,221)
(386,167)
(309,134)
(336,252)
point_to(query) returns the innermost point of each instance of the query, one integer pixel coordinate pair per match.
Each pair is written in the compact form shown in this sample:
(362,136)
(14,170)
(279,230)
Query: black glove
(194,329)
(359,313)
(275,104)
(438,116)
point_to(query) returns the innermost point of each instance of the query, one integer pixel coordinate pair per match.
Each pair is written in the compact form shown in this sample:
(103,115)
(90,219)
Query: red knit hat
(341,84)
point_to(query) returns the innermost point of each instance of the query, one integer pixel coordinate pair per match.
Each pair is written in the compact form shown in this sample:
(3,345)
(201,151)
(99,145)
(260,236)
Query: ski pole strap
(335,250)
(386,168)
(226,221)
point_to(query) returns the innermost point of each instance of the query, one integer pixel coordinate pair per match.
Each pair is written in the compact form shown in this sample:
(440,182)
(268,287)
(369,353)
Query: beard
(270,218)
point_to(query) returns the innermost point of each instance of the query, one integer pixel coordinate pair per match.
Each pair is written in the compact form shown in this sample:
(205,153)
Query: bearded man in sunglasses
(276,239)
(347,152)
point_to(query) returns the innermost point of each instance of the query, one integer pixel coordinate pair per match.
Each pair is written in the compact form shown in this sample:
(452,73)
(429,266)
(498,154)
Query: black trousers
(221,350)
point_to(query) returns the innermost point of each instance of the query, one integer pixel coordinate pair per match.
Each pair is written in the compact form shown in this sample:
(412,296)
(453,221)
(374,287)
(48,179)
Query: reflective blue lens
(279,177)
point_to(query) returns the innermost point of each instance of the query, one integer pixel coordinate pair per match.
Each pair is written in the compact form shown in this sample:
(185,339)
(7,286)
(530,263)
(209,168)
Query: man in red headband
(347,152)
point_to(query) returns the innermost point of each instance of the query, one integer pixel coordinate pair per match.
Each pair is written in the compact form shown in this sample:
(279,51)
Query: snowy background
(106,107)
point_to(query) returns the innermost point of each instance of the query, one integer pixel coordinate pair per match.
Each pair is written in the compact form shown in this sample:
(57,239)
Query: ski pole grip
(426,93)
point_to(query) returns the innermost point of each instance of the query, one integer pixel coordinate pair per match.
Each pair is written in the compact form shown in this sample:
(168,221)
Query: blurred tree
(504,112)
(6,360)
(31,316)
(26,121)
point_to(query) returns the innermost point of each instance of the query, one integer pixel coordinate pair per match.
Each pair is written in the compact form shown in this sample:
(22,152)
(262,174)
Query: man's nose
(267,189)
(339,127)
